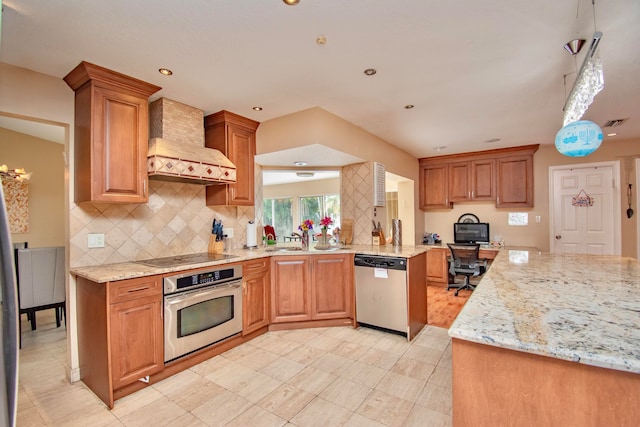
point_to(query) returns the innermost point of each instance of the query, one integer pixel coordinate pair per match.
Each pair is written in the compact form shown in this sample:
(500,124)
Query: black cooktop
(178,260)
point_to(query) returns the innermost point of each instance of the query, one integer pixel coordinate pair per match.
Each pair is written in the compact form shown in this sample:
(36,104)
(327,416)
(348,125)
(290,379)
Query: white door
(585,209)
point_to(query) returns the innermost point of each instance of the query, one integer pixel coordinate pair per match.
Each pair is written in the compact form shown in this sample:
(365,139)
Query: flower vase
(305,240)
(323,239)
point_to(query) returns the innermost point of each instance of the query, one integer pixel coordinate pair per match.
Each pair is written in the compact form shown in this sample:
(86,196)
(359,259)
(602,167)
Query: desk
(438,262)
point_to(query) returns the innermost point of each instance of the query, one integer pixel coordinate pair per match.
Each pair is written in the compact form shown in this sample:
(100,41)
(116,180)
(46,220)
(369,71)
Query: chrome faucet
(298,235)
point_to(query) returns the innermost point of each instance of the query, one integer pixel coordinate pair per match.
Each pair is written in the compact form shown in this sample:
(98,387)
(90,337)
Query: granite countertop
(579,308)
(129,270)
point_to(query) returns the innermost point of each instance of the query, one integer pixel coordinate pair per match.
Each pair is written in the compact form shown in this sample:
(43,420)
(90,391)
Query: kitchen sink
(284,249)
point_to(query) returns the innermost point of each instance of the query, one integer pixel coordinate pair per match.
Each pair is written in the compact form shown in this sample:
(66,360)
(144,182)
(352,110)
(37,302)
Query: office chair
(464,261)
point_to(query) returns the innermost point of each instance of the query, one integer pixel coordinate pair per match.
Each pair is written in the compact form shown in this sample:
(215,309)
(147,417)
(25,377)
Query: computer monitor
(471,232)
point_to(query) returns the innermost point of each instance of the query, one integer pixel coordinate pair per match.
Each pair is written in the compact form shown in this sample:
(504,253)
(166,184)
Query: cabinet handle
(473,194)
(130,291)
(144,187)
(469,194)
(244,286)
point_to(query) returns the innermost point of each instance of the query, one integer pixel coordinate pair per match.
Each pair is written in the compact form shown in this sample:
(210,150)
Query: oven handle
(198,293)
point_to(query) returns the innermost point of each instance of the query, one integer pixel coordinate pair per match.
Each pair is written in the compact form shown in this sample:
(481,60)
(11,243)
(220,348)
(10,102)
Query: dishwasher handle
(371,261)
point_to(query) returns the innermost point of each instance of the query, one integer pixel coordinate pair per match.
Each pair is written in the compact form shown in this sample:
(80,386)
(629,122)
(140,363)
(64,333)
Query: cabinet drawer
(255,266)
(126,290)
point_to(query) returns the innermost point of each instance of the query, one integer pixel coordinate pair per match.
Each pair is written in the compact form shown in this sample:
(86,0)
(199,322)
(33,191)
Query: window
(278,213)
(316,207)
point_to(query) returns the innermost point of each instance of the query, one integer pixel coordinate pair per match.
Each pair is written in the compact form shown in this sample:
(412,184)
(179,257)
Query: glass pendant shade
(579,139)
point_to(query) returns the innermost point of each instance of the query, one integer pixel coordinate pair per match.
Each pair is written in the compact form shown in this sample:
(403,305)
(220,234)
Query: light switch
(538,219)
(95,240)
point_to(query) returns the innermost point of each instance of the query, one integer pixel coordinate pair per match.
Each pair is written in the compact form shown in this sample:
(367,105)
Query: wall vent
(614,123)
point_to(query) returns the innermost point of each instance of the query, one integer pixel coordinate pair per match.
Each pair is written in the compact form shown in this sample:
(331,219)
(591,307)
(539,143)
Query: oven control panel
(185,281)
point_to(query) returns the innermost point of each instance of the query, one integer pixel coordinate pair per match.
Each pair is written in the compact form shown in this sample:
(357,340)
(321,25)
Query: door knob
(558,237)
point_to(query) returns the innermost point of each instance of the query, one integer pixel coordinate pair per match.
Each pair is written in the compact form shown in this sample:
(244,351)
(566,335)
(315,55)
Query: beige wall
(318,126)
(537,235)
(46,187)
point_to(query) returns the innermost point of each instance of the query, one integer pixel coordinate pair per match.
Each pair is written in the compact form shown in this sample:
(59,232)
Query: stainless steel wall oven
(201,308)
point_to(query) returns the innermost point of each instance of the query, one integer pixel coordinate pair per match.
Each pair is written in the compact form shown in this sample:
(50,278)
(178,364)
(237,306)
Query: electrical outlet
(95,240)
(228,232)
(538,219)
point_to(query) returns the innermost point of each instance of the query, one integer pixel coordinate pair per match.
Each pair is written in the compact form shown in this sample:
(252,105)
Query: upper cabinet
(434,186)
(111,135)
(235,137)
(504,175)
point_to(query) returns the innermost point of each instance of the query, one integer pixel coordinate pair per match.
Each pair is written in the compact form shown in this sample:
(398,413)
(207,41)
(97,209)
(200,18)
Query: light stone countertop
(579,308)
(129,270)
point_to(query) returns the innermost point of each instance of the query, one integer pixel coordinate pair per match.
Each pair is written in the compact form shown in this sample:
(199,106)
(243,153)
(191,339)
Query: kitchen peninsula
(121,306)
(549,340)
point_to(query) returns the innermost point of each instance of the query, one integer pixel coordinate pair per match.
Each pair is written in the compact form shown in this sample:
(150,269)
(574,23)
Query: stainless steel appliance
(381,293)
(201,308)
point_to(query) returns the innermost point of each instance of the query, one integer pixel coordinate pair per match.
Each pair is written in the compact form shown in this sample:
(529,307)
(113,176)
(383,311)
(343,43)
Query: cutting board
(346,231)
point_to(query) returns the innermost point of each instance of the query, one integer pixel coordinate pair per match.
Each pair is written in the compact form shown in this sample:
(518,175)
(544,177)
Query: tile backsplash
(175,221)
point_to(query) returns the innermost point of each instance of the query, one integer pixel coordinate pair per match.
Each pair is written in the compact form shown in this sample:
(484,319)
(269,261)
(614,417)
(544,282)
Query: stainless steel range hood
(176,148)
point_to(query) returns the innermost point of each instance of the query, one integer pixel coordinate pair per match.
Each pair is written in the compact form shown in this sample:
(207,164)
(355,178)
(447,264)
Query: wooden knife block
(215,247)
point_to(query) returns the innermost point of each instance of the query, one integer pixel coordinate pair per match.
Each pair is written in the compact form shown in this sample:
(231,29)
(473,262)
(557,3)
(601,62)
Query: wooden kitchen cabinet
(331,286)
(434,186)
(235,137)
(504,175)
(291,289)
(111,135)
(256,295)
(515,181)
(472,180)
(120,333)
(438,266)
(311,287)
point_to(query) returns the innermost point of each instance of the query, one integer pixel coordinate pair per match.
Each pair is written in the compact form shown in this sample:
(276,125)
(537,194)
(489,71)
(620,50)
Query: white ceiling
(273,177)
(475,70)
(39,130)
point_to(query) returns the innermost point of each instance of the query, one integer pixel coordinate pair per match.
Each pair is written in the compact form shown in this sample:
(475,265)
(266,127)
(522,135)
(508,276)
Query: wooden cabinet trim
(477,155)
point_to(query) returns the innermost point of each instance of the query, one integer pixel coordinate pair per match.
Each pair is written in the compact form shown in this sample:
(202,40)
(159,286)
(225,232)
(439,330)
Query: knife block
(215,247)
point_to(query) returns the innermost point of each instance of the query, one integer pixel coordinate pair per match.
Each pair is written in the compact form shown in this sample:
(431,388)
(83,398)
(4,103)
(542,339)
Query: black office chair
(464,261)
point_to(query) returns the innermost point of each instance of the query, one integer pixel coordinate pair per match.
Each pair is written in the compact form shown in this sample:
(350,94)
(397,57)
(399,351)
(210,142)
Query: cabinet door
(438,266)
(332,286)
(255,304)
(483,178)
(137,343)
(434,186)
(459,181)
(290,289)
(515,181)
(242,150)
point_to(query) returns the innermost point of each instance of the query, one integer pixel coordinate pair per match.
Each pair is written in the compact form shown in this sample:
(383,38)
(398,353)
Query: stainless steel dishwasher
(381,293)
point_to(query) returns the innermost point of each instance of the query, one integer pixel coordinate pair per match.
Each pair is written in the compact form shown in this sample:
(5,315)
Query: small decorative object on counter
(396,233)
(377,236)
(305,227)
(323,238)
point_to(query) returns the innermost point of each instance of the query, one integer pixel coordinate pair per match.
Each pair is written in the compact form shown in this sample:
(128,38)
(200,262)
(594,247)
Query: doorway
(584,208)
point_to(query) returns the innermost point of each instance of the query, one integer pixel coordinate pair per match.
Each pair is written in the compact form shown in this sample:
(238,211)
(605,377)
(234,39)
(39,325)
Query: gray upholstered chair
(41,282)
(464,261)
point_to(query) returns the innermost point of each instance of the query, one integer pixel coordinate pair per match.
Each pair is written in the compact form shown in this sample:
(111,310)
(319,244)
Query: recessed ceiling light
(165,71)
(440,148)
(257,108)
(321,40)
(370,71)
(489,141)
(300,163)
(611,134)
(409,106)
(291,2)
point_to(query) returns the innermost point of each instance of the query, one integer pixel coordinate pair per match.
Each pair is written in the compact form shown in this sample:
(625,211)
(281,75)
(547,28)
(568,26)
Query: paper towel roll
(251,235)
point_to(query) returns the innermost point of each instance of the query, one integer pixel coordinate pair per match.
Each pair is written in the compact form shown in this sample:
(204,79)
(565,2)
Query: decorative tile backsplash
(175,221)
(356,199)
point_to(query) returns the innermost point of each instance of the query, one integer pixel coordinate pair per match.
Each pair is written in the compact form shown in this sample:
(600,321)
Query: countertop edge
(130,270)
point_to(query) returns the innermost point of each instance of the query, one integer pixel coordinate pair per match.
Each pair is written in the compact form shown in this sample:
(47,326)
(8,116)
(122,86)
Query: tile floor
(311,377)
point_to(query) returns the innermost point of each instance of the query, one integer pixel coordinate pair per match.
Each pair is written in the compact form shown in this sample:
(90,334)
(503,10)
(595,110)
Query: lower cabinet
(120,332)
(317,287)
(438,266)
(256,295)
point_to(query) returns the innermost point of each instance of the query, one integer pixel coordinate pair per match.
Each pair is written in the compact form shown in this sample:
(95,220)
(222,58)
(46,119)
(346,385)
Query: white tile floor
(311,377)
